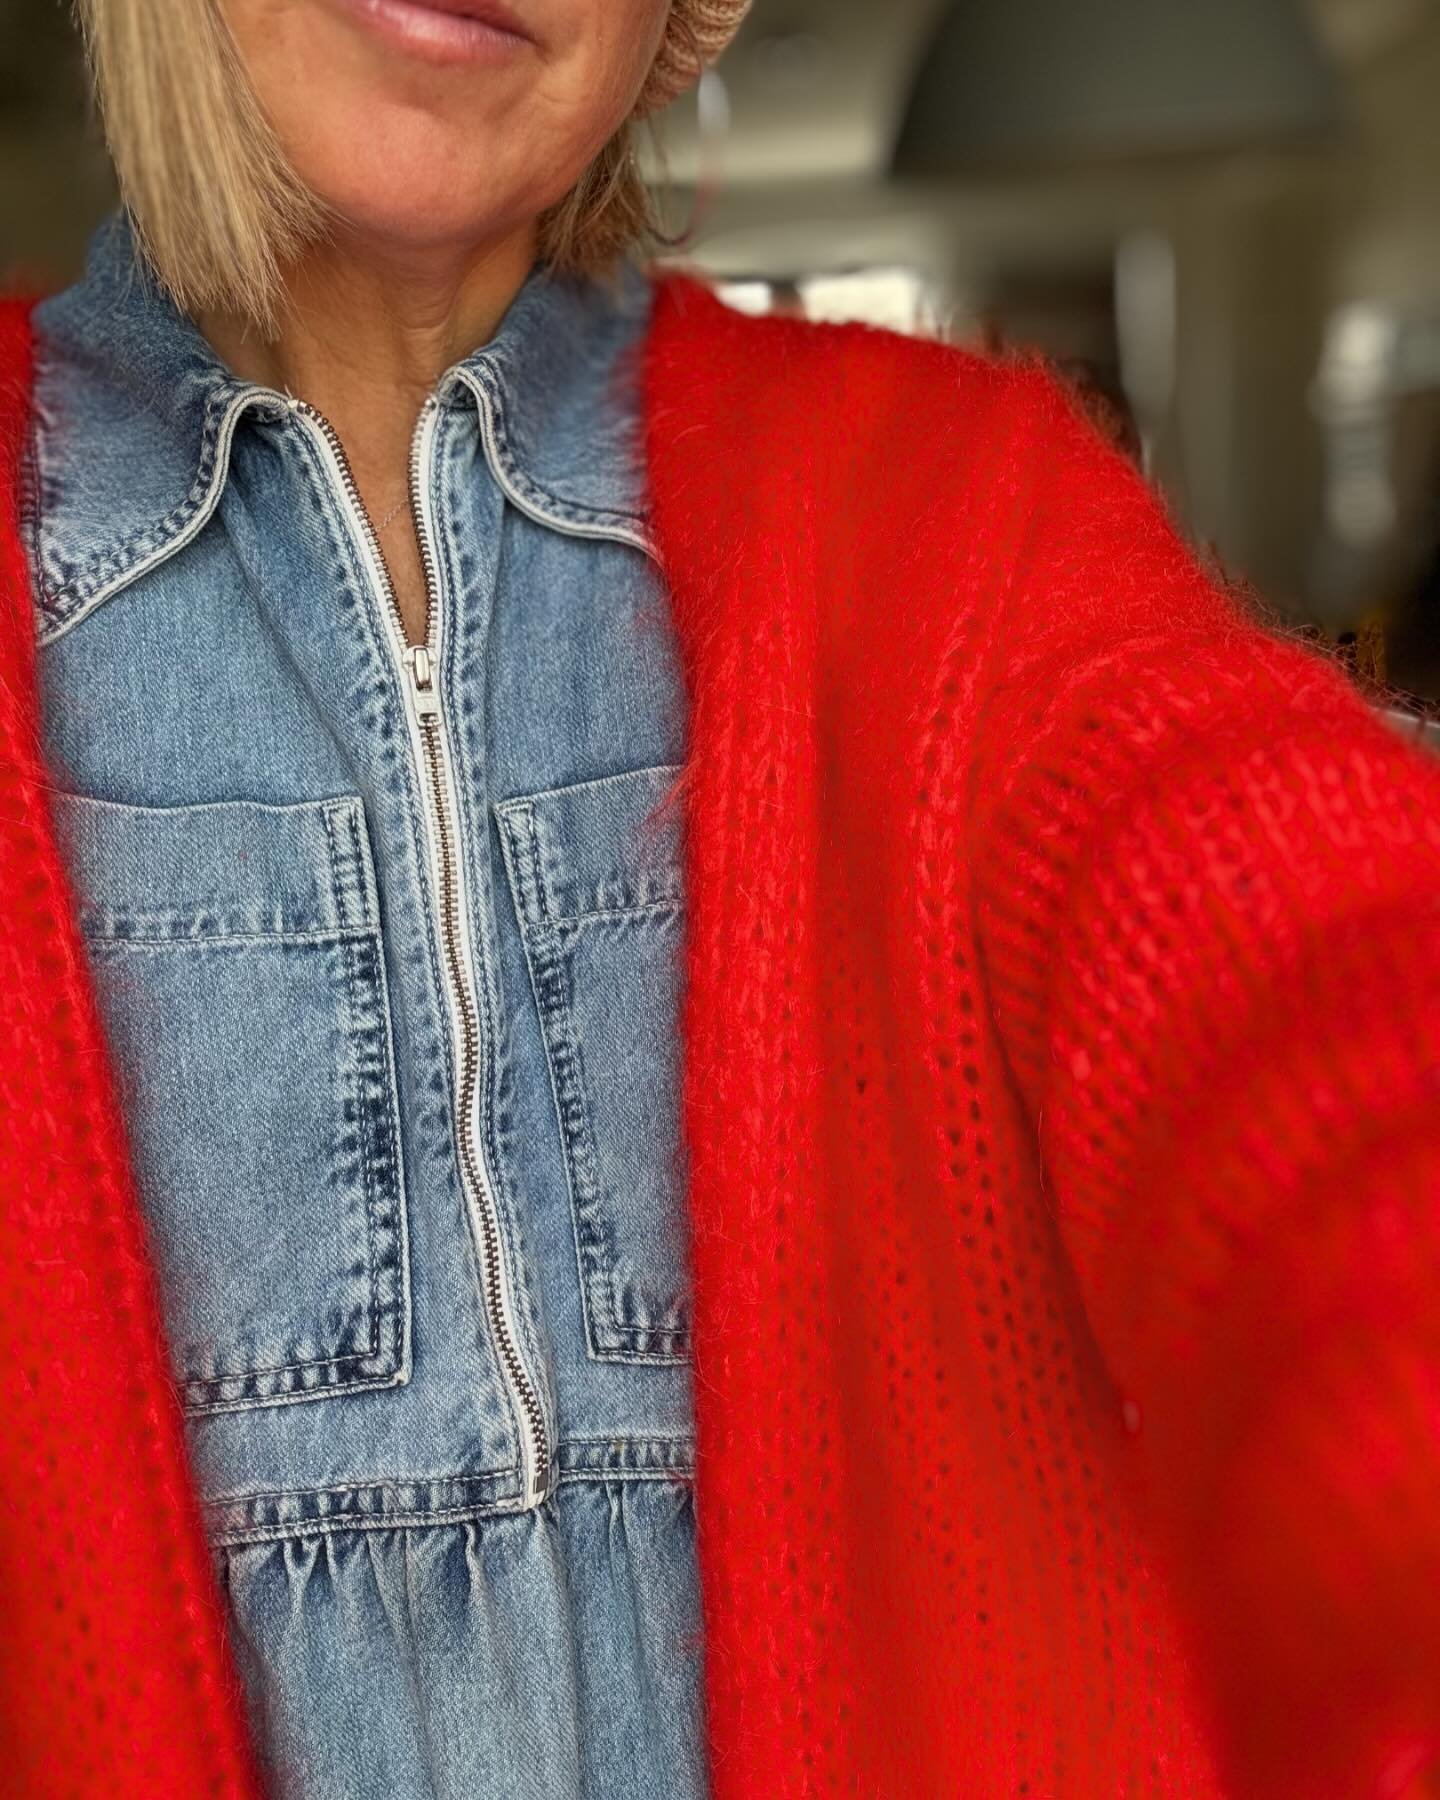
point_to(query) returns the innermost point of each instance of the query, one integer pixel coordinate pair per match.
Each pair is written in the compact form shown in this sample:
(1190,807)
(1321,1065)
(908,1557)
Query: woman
(1060,1018)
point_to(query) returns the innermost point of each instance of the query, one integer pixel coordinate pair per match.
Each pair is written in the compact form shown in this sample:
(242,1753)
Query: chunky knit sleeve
(1208,888)
(115,1675)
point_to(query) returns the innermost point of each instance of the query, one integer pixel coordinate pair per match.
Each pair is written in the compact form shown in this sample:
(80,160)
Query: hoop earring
(714,118)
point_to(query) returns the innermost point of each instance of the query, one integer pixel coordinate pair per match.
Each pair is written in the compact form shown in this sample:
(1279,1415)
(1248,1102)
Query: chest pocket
(595,874)
(238,966)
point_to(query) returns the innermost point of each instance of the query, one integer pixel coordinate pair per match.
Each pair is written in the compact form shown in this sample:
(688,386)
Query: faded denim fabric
(244,817)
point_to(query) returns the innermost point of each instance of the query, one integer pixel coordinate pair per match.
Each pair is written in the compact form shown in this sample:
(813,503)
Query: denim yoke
(320,1129)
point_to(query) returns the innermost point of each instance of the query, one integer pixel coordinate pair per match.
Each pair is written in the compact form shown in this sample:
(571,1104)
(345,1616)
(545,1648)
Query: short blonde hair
(217,208)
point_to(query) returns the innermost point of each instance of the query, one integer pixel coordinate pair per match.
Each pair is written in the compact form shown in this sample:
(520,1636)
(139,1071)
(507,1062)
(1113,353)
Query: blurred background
(1222,217)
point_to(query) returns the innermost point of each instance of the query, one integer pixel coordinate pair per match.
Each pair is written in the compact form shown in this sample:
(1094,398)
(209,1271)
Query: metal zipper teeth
(494,1279)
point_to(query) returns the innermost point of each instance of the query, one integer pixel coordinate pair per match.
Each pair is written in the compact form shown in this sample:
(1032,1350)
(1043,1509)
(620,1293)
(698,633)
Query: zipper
(419,664)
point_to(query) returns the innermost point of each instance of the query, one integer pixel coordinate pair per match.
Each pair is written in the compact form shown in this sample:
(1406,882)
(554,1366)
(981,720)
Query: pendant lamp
(1021,82)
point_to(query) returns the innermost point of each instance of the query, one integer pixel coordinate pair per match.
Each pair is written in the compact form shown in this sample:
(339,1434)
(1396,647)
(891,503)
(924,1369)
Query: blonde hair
(219,212)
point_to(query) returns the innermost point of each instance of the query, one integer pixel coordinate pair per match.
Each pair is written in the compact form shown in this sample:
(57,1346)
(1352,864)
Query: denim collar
(135,414)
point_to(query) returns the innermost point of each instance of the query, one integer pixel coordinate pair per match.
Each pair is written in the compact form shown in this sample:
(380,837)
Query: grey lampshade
(1018,81)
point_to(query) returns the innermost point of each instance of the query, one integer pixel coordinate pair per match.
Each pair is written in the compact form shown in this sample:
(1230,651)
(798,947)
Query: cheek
(595,81)
(626,36)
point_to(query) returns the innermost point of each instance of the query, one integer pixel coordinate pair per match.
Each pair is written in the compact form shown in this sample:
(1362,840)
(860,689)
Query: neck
(366,336)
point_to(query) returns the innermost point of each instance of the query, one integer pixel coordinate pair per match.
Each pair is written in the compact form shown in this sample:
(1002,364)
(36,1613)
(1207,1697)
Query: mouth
(444,31)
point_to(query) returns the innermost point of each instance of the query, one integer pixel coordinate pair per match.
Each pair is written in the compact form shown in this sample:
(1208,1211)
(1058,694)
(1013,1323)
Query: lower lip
(442,37)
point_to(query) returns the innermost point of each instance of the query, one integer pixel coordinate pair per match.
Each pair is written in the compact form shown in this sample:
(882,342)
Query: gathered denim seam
(677,1467)
(612,1440)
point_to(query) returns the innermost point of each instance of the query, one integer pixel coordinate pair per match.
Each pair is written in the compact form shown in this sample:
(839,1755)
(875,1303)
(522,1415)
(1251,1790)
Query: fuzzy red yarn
(1063,1097)
(114,1679)
(1062,1058)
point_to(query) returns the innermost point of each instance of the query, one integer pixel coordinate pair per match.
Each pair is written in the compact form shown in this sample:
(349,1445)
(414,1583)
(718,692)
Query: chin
(423,189)
(419,220)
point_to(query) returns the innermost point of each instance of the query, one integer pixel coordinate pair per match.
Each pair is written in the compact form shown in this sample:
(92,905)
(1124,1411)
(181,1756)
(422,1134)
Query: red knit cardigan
(1062,1068)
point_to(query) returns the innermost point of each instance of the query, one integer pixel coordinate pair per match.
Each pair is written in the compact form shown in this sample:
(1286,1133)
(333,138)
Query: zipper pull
(422,680)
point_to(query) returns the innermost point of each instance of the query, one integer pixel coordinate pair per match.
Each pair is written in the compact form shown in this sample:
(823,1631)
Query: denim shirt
(387,950)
